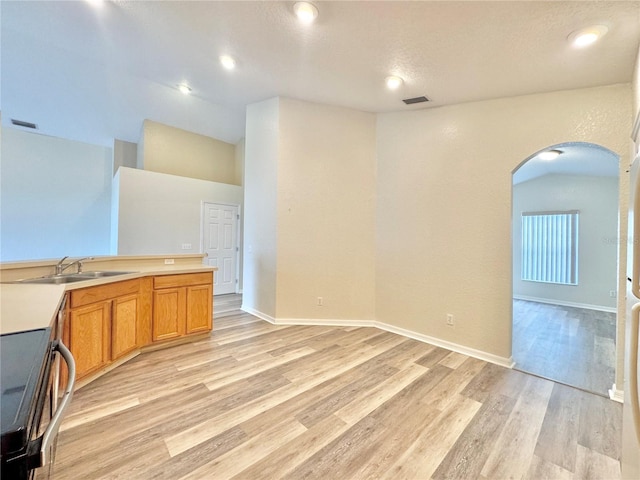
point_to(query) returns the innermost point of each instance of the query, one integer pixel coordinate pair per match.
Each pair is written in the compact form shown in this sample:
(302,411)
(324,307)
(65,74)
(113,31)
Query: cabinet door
(168,313)
(90,337)
(124,323)
(199,308)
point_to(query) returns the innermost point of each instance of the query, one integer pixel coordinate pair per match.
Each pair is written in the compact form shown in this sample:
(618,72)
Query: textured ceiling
(93,74)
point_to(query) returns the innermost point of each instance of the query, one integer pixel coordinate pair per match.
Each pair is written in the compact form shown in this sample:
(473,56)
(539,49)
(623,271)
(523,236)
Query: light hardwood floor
(574,346)
(258,401)
(224,305)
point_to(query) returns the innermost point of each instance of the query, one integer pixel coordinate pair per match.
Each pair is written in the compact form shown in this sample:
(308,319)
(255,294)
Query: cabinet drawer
(86,296)
(182,280)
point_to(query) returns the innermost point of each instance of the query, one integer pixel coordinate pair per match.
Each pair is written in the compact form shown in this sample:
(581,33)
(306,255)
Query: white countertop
(28,307)
(140,271)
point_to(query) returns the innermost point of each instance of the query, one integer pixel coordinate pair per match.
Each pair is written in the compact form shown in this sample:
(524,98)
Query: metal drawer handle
(52,429)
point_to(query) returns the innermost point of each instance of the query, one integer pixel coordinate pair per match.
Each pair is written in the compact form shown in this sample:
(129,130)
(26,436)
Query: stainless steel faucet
(60,267)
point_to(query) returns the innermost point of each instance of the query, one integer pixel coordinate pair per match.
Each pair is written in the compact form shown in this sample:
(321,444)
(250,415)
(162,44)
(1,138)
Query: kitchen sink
(73,277)
(98,274)
(55,279)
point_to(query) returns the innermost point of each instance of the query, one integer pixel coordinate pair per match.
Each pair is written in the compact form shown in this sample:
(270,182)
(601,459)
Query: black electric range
(25,365)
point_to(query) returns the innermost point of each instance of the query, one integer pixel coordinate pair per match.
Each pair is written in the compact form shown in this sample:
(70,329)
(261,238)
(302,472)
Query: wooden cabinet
(199,308)
(124,325)
(107,322)
(90,337)
(103,324)
(182,305)
(169,313)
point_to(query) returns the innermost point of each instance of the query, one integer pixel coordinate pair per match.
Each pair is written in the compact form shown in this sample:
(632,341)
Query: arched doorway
(565,265)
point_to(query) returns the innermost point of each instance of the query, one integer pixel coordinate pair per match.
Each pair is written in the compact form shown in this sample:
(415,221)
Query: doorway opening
(565,265)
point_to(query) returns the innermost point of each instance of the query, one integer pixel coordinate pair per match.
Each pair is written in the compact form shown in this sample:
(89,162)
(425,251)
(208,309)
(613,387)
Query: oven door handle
(51,432)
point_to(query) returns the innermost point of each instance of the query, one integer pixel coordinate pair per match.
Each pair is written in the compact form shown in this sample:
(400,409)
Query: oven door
(29,443)
(41,451)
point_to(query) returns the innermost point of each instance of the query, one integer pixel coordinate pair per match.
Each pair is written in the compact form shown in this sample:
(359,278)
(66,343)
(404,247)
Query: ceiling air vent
(411,101)
(20,123)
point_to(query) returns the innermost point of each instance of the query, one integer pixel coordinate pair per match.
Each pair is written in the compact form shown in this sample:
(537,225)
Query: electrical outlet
(320,301)
(169,261)
(612,293)
(450,319)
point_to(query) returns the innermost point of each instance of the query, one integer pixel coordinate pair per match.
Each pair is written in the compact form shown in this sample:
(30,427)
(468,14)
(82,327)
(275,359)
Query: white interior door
(220,243)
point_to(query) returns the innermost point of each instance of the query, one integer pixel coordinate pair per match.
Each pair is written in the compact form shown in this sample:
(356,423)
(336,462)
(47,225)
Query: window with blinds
(550,247)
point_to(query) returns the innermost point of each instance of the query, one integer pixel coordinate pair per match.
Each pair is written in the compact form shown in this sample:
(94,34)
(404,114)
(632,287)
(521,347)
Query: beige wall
(260,207)
(309,211)
(166,149)
(326,212)
(124,154)
(444,204)
(441,203)
(140,150)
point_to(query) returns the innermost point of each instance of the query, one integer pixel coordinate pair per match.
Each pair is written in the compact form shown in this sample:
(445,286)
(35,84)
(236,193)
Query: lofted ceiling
(93,74)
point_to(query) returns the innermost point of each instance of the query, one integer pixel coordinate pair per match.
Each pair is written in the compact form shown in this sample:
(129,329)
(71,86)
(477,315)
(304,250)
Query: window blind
(550,247)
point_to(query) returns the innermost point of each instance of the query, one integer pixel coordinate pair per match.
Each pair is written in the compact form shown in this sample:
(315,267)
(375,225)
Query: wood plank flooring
(226,304)
(258,401)
(574,346)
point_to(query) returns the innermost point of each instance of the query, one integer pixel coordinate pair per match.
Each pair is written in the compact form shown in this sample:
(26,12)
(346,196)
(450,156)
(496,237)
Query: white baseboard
(616,395)
(562,303)
(471,352)
(263,316)
(329,322)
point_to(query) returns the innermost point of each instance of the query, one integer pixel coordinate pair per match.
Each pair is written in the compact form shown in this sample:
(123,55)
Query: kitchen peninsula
(138,303)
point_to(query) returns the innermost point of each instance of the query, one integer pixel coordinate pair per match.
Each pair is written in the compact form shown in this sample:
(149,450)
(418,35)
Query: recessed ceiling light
(95,3)
(305,11)
(184,88)
(393,82)
(549,155)
(587,36)
(227,62)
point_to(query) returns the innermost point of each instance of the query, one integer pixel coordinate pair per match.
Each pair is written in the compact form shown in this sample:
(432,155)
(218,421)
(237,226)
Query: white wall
(239,163)
(596,198)
(157,213)
(326,212)
(55,197)
(444,204)
(260,207)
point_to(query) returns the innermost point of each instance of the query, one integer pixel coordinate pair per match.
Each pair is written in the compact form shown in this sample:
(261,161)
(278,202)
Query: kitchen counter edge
(27,306)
